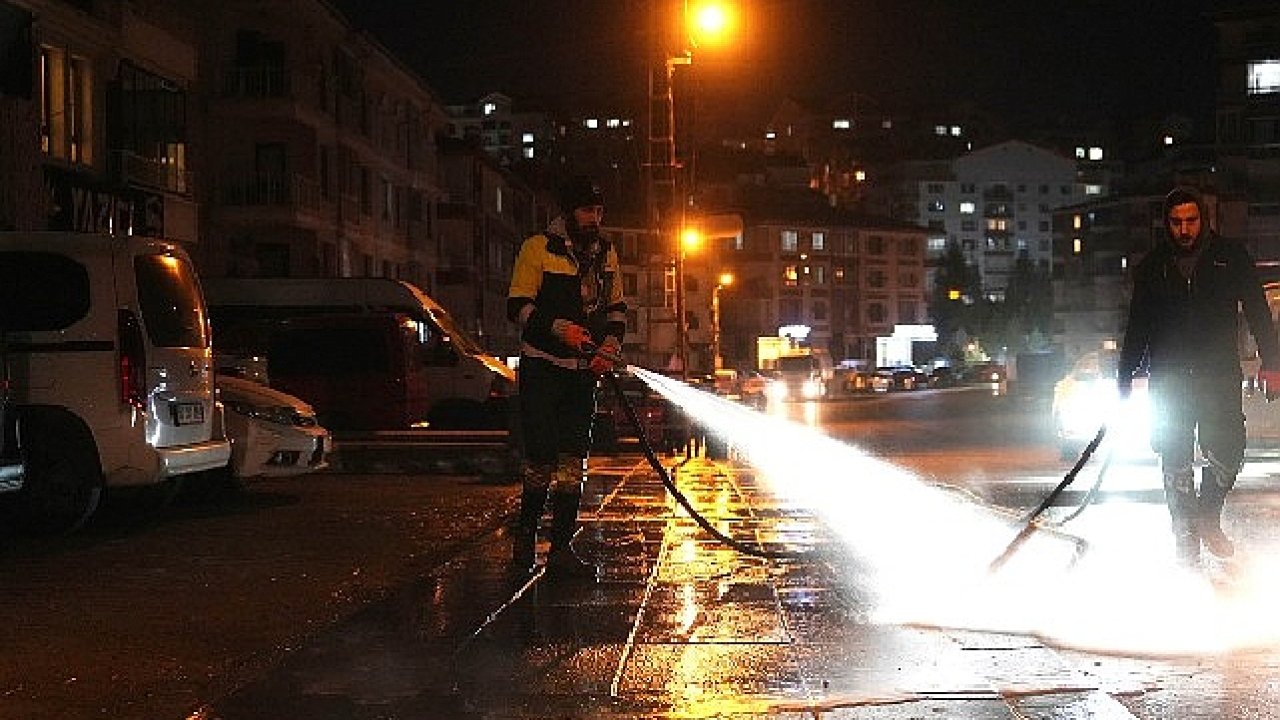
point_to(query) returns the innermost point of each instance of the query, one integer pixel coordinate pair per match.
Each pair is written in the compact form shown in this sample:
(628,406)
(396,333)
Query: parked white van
(110,370)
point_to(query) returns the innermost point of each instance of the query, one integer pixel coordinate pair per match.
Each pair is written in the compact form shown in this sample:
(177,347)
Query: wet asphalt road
(388,596)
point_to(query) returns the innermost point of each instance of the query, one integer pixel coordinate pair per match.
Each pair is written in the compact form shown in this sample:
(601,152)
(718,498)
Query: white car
(273,434)
(1087,397)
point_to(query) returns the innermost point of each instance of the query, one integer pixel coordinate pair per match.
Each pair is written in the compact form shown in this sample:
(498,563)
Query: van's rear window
(172,309)
(41,291)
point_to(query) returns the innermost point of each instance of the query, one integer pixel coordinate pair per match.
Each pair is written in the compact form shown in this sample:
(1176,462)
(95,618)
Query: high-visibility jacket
(550,282)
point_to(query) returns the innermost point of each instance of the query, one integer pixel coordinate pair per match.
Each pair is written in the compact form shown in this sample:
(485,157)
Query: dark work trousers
(556,408)
(1188,408)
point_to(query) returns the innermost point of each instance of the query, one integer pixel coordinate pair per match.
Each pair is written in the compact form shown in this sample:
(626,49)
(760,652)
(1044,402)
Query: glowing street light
(702,23)
(724,281)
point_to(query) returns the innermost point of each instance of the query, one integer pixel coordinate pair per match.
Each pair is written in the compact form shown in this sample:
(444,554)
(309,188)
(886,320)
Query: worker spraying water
(1187,297)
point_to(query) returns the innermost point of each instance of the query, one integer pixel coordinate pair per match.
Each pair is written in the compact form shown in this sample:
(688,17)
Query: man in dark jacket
(567,297)
(1183,318)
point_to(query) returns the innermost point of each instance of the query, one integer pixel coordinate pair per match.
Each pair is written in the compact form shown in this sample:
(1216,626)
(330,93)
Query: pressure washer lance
(611,377)
(1031,521)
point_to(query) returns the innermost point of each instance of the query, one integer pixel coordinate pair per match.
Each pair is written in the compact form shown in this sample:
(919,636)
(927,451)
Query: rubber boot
(1183,512)
(1214,486)
(524,535)
(562,561)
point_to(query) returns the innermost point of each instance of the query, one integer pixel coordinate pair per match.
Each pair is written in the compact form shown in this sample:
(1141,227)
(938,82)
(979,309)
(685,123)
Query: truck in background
(404,361)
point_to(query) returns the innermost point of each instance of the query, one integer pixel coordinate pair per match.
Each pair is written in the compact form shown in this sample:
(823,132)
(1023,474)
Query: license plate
(188,413)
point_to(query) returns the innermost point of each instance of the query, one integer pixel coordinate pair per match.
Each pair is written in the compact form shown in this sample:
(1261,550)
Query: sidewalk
(677,625)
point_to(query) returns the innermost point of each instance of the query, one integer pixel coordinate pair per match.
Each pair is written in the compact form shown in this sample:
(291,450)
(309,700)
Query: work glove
(571,334)
(607,357)
(1270,382)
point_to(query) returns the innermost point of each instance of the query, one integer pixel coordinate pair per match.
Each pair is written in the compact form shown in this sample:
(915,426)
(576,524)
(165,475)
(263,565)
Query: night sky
(1033,62)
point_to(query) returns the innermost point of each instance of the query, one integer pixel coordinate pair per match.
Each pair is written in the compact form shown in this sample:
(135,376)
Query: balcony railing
(256,82)
(270,189)
(159,173)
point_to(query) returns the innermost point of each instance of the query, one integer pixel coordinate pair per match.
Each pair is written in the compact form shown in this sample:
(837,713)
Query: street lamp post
(725,280)
(708,20)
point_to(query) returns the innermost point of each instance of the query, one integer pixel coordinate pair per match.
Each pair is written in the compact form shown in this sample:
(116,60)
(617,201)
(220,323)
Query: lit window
(886,124)
(860,175)
(591,123)
(790,276)
(1095,153)
(968,208)
(1079,152)
(841,124)
(614,123)
(955,131)
(936,206)
(526,138)
(939,129)
(1168,139)
(790,240)
(1076,222)
(1077,245)
(1264,77)
(819,241)
(771,135)
(528,153)
(936,244)
(490,108)
(1091,189)
(497,200)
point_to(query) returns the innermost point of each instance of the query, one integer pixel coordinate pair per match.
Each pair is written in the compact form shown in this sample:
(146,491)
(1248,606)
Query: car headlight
(811,388)
(278,414)
(777,390)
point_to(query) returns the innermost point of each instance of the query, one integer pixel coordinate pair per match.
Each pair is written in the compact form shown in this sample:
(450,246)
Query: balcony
(256,82)
(157,173)
(289,191)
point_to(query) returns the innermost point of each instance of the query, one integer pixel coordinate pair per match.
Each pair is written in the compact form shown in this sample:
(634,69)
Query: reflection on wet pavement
(677,626)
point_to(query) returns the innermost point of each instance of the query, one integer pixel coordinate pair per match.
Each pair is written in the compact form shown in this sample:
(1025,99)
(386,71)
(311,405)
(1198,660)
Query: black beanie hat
(580,191)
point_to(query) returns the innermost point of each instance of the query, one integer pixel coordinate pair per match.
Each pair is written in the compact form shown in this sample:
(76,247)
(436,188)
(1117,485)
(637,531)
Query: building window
(875,313)
(819,241)
(968,207)
(790,241)
(819,274)
(875,278)
(790,276)
(936,206)
(935,188)
(907,311)
(790,311)
(838,271)
(819,310)
(66,111)
(938,244)
(1264,77)
(875,245)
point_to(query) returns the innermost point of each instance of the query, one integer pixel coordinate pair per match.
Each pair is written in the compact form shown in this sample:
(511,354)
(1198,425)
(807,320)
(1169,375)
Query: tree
(956,287)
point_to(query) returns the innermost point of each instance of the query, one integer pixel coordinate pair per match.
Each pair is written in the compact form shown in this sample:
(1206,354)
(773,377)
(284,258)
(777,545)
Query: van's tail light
(133,361)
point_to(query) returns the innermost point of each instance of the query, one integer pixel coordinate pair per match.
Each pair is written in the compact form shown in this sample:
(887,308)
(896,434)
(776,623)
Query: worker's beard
(584,237)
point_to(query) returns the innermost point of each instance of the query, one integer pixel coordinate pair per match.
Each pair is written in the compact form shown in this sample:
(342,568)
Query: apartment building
(317,149)
(1247,171)
(94,119)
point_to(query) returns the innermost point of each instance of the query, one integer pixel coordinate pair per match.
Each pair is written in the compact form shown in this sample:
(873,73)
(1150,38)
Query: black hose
(612,378)
(1030,523)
